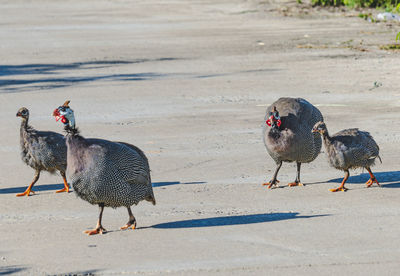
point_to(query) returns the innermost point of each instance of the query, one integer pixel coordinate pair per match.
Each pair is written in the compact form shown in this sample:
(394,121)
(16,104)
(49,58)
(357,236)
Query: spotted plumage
(349,149)
(42,151)
(108,172)
(287,134)
(105,173)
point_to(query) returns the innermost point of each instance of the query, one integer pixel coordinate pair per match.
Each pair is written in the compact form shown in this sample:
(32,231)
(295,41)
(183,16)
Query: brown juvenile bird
(42,150)
(349,149)
(287,134)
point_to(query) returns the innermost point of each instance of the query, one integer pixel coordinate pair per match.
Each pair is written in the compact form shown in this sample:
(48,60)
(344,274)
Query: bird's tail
(151,199)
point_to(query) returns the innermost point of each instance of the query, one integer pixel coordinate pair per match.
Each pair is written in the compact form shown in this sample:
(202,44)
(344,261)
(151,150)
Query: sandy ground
(188,82)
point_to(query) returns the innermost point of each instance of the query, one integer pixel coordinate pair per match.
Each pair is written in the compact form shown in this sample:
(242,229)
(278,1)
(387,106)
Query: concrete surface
(188,82)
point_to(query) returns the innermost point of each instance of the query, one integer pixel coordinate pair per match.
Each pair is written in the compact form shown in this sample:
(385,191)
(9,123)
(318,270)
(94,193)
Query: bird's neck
(71,131)
(327,139)
(25,128)
(24,124)
(75,141)
(274,133)
(76,151)
(73,137)
(25,132)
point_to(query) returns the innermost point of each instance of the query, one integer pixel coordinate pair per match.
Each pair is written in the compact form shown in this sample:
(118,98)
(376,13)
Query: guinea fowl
(349,149)
(105,173)
(287,134)
(42,150)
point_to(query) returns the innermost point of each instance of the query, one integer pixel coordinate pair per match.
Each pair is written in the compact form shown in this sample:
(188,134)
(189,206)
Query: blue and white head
(66,115)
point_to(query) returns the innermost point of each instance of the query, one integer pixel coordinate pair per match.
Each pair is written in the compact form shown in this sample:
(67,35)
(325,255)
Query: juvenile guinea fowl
(42,150)
(287,134)
(105,173)
(349,149)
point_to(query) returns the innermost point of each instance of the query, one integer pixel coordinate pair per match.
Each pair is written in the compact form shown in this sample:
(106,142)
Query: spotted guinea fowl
(287,134)
(349,149)
(105,173)
(42,150)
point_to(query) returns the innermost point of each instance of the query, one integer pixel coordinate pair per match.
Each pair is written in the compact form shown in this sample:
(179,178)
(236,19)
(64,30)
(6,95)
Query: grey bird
(349,149)
(105,173)
(287,134)
(42,151)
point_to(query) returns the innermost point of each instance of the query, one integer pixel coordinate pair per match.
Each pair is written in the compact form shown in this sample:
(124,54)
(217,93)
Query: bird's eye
(23,112)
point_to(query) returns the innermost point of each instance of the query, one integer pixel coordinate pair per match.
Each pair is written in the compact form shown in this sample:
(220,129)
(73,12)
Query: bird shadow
(8,270)
(161,184)
(53,187)
(36,188)
(390,179)
(231,220)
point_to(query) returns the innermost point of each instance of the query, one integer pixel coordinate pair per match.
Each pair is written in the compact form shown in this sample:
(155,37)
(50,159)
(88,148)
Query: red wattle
(279,122)
(268,122)
(63,120)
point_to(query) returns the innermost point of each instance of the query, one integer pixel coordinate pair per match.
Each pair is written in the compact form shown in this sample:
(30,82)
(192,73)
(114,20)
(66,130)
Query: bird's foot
(292,184)
(26,193)
(131,224)
(65,189)
(340,189)
(271,184)
(98,230)
(371,181)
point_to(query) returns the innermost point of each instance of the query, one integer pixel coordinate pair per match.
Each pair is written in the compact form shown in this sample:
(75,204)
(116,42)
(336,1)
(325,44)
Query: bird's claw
(340,189)
(65,189)
(26,193)
(129,224)
(293,184)
(371,181)
(271,184)
(98,230)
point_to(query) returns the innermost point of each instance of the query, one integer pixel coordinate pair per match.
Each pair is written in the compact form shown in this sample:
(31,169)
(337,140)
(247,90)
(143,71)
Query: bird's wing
(47,148)
(129,163)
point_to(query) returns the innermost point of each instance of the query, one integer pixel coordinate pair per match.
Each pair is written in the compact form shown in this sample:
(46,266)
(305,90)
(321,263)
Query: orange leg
(29,189)
(341,187)
(131,222)
(66,187)
(372,179)
(99,228)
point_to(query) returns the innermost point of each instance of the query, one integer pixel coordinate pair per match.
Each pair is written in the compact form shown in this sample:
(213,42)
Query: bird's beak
(56,112)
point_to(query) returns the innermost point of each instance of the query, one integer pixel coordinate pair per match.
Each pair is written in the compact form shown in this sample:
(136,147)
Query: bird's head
(274,120)
(65,115)
(23,112)
(320,127)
